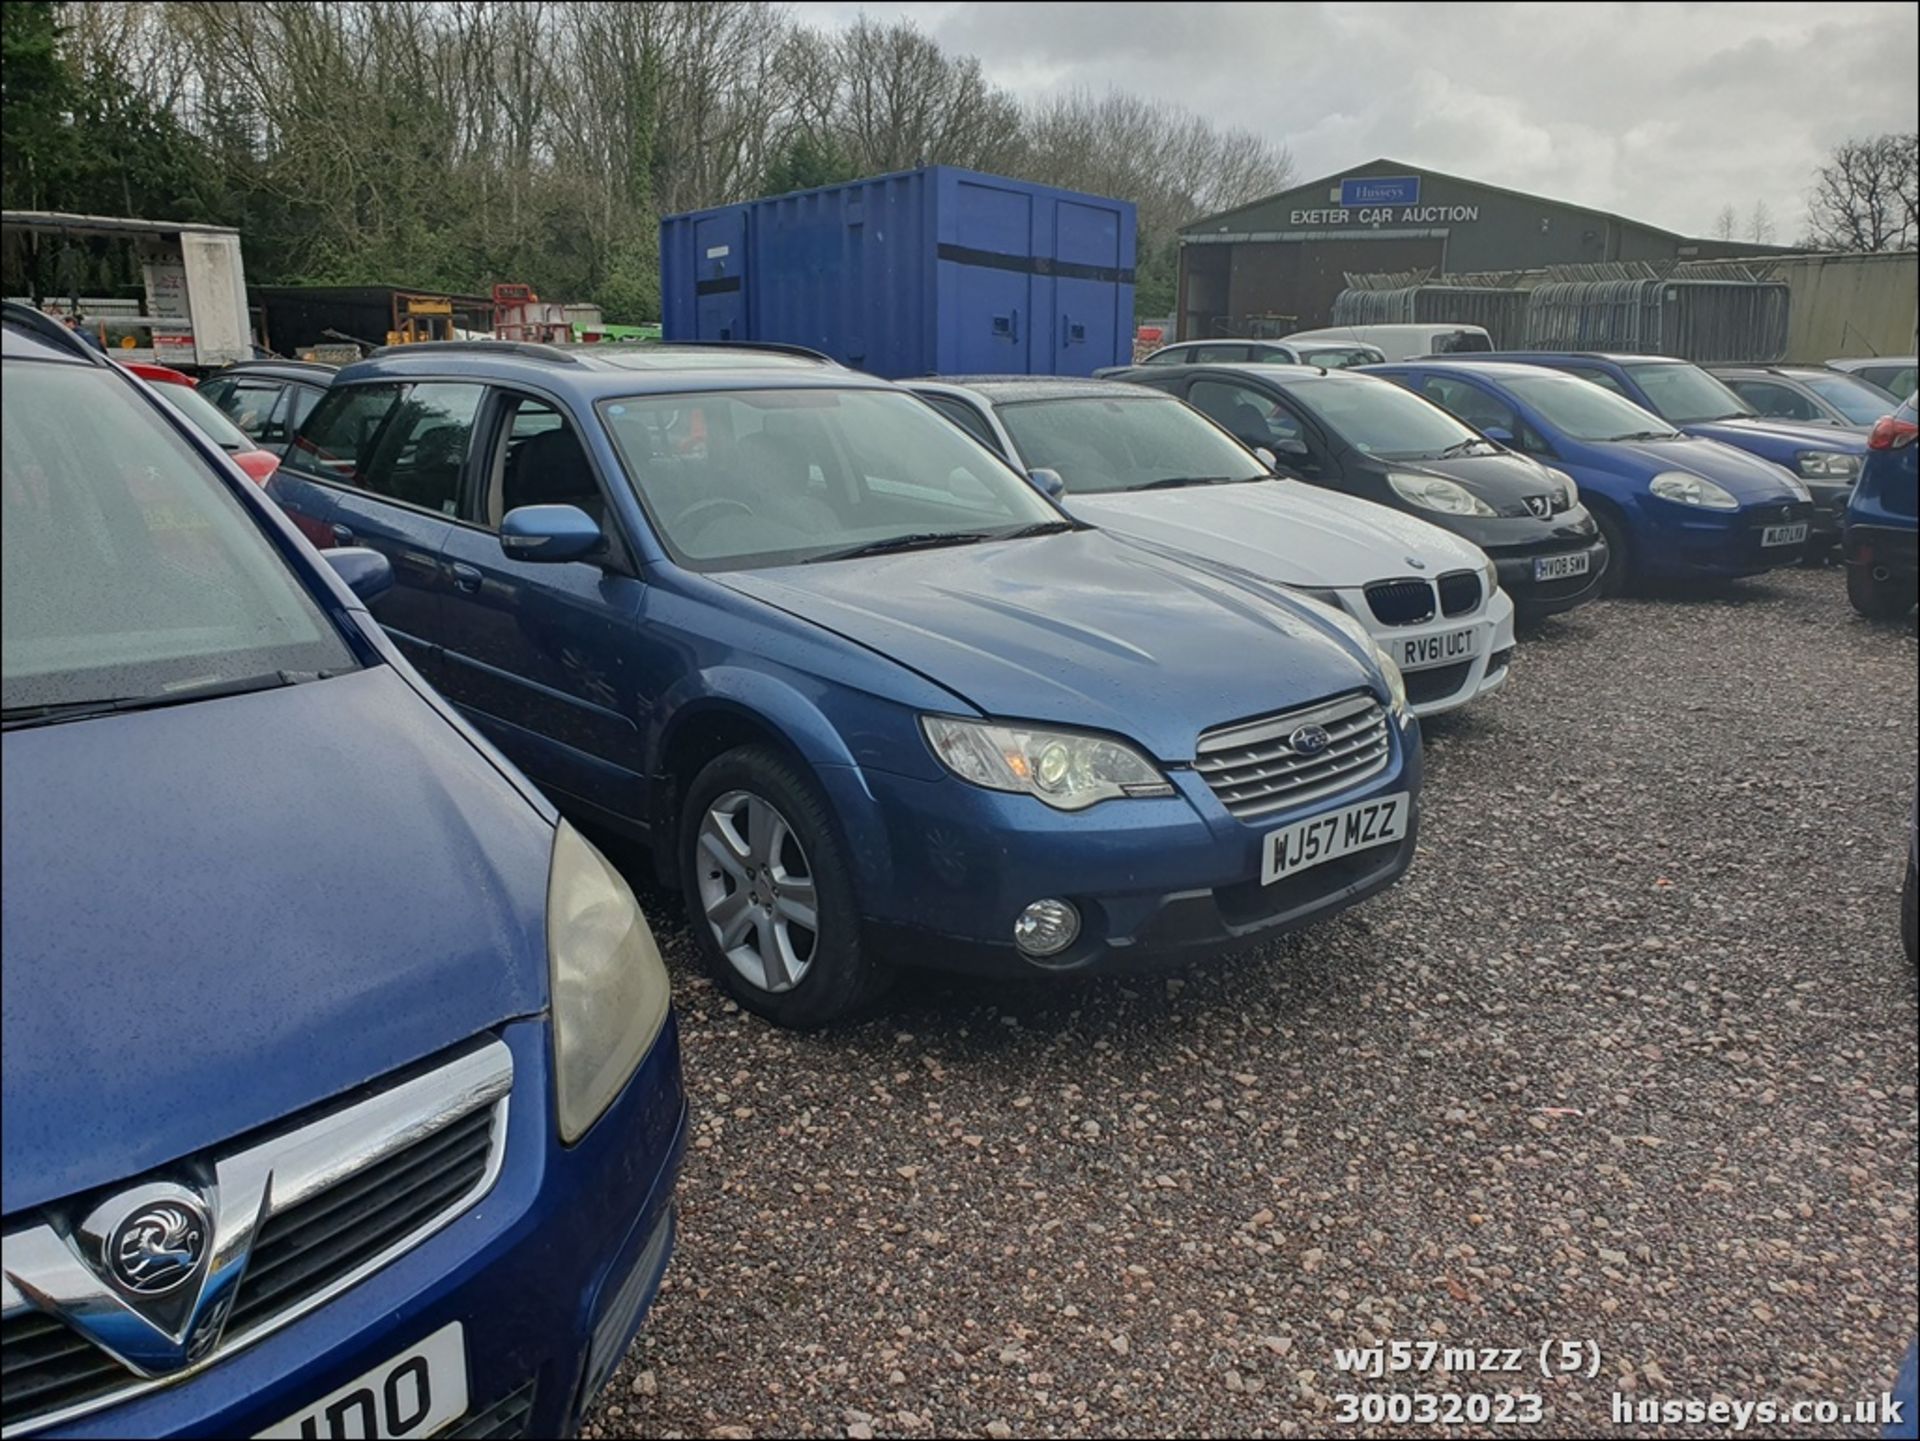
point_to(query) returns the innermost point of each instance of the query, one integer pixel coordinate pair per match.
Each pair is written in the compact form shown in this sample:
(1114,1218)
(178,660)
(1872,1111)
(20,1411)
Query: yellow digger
(418,318)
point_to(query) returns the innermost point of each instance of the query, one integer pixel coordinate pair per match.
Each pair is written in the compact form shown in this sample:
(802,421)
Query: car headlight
(1686,489)
(1389,668)
(1826,465)
(610,990)
(1569,491)
(1490,573)
(1436,492)
(1069,770)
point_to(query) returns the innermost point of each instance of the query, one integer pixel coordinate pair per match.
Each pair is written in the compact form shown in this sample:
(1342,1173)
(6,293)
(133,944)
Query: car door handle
(343,535)
(465,577)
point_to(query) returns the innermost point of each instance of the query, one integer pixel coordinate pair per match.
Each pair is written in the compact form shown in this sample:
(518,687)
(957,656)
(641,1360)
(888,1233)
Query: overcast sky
(1663,113)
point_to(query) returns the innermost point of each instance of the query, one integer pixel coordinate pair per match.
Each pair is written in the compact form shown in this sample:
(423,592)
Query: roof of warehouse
(1384,165)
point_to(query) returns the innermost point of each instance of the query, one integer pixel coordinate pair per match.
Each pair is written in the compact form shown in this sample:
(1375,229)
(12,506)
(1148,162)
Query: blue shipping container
(930,271)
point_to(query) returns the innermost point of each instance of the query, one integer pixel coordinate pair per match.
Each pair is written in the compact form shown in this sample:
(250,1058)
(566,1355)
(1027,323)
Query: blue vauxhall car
(1883,519)
(1670,505)
(342,1089)
(1697,402)
(873,699)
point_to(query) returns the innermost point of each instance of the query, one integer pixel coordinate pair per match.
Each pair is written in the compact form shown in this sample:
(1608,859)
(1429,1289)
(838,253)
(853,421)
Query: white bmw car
(1146,466)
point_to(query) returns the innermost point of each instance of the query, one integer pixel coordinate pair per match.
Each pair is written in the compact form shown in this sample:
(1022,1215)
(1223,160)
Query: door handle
(465,577)
(343,535)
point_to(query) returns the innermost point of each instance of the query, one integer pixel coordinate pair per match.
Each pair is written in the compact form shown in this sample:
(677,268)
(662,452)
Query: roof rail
(49,329)
(779,347)
(531,349)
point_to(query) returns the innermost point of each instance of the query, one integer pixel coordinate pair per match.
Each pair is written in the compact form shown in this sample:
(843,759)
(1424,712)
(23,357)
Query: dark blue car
(872,697)
(342,1090)
(1670,505)
(1697,402)
(1879,543)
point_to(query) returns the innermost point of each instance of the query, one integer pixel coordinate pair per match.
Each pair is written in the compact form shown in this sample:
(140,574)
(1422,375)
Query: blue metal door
(1087,287)
(720,255)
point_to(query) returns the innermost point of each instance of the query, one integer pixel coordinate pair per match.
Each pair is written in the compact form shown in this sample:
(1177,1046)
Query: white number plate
(1559,567)
(1417,652)
(414,1394)
(1784,534)
(1302,846)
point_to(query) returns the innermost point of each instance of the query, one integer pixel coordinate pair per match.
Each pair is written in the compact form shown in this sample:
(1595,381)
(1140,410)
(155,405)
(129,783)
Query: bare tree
(1760,227)
(1865,196)
(1725,223)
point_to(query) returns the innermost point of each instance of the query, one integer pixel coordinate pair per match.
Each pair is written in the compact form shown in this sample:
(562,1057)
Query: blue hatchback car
(1668,504)
(872,697)
(1883,559)
(1697,402)
(342,1089)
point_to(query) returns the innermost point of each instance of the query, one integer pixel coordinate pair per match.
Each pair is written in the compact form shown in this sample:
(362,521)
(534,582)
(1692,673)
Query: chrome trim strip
(1345,781)
(1341,733)
(1250,733)
(42,1260)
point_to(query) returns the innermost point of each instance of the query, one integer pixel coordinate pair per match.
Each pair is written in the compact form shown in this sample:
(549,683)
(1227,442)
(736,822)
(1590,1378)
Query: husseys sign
(1384,200)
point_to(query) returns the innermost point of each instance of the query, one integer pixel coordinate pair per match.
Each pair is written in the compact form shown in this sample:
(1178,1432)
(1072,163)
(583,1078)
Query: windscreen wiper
(1040,527)
(918,540)
(31,715)
(1461,447)
(1648,435)
(1174,482)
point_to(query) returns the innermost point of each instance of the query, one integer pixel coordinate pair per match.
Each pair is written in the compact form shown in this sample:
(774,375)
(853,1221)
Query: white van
(1404,342)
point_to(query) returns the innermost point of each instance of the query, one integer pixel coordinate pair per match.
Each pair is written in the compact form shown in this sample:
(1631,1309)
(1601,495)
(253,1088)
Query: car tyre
(1874,599)
(758,853)
(1619,572)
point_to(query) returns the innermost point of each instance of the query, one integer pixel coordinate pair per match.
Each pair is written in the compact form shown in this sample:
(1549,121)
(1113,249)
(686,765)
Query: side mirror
(1500,434)
(1048,482)
(549,533)
(368,573)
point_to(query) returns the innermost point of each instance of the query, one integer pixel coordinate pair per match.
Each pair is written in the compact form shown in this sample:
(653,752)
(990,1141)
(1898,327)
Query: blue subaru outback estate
(342,1090)
(872,697)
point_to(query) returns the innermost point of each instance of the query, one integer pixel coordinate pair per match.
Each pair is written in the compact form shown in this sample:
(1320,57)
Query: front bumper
(1829,511)
(559,1260)
(1156,881)
(1685,541)
(1437,682)
(1515,542)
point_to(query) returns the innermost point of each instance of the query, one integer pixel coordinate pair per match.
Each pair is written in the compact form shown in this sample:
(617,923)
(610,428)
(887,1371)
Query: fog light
(1046,928)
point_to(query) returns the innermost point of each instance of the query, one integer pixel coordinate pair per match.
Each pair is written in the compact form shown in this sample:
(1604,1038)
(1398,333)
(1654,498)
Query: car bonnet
(221,913)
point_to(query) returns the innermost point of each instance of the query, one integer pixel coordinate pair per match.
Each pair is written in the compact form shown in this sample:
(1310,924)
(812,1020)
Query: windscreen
(1860,402)
(741,478)
(1106,443)
(1379,418)
(1686,394)
(1584,411)
(204,415)
(130,570)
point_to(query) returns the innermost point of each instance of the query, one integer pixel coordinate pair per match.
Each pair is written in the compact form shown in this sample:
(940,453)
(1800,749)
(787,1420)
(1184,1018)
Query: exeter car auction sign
(1384,200)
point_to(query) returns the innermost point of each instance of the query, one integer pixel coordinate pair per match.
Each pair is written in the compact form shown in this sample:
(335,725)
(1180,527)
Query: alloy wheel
(756,887)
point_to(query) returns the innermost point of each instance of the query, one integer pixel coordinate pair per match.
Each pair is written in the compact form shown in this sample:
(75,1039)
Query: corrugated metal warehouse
(1276,265)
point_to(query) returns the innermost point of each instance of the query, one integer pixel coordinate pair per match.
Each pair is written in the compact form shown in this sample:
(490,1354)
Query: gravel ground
(1628,1057)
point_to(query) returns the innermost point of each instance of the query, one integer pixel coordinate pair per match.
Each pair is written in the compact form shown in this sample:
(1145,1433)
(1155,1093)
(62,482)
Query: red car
(178,391)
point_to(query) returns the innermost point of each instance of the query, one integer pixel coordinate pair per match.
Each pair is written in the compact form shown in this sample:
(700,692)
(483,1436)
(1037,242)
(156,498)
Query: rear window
(200,412)
(1462,342)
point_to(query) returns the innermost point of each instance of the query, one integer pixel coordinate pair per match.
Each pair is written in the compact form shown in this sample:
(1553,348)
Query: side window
(539,461)
(1251,416)
(408,443)
(305,397)
(1172,355)
(1777,401)
(248,404)
(966,417)
(1222,354)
